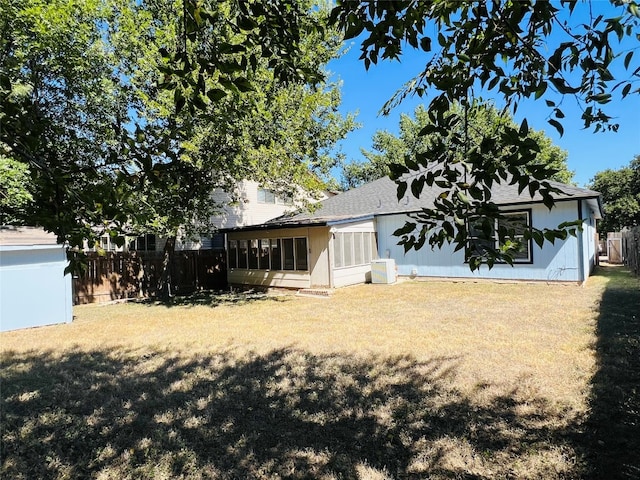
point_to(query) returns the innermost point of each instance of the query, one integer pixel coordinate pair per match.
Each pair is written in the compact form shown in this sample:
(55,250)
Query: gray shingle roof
(380,198)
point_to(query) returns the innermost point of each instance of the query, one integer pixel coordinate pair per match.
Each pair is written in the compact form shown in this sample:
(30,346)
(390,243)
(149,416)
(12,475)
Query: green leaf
(463,198)
(406,229)
(540,90)
(402,189)
(216,94)
(557,125)
(243,84)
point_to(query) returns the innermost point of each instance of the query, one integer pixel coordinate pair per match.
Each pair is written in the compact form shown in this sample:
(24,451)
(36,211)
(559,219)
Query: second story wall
(254,206)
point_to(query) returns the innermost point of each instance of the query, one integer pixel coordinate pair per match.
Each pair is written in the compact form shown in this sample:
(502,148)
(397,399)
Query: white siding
(343,276)
(557,262)
(248,211)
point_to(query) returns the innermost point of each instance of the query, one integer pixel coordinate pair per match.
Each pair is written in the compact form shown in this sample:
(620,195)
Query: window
(233,254)
(269,254)
(243,251)
(366,245)
(267,196)
(337,250)
(287,254)
(301,253)
(347,243)
(264,255)
(217,241)
(481,237)
(253,254)
(276,254)
(353,248)
(144,243)
(513,226)
(358,249)
(485,236)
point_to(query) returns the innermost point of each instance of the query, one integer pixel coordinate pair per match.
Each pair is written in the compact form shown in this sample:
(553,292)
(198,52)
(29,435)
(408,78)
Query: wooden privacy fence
(120,275)
(631,249)
(614,247)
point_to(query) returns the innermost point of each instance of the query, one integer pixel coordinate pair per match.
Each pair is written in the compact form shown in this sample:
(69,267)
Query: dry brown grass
(414,380)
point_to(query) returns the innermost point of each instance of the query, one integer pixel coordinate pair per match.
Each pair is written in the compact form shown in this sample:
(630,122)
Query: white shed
(34,290)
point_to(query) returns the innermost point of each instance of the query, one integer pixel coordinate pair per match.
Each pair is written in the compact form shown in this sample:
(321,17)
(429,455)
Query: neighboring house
(334,245)
(34,290)
(251,204)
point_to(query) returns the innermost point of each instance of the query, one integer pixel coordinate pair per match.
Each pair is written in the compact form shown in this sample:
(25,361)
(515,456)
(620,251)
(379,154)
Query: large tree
(483,119)
(129,113)
(15,196)
(620,191)
(513,51)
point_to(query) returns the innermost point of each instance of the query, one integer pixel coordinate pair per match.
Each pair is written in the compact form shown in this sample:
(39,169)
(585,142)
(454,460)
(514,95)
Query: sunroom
(326,253)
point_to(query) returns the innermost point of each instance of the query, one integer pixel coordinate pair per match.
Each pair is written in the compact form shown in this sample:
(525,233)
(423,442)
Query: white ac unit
(383,270)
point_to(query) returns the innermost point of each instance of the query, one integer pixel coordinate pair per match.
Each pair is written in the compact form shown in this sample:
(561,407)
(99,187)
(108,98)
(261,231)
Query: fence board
(121,275)
(631,249)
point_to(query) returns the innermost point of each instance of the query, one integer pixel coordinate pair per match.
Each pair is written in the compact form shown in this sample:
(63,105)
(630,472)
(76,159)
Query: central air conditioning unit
(383,270)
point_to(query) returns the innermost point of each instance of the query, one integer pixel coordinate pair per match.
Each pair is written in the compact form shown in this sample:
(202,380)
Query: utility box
(383,270)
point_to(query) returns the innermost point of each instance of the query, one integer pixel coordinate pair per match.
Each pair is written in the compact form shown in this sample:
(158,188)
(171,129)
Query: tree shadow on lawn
(289,414)
(613,429)
(216,298)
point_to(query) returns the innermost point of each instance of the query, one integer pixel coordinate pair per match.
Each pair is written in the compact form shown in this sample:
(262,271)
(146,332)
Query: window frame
(275,258)
(528,243)
(495,240)
(350,245)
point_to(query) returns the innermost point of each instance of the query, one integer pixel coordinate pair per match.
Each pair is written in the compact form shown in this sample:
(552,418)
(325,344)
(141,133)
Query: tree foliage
(512,51)
(15,196)
(129,113)
(483,118)
(620,191)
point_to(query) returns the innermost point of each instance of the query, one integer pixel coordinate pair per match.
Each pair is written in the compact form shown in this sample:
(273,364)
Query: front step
(314,292)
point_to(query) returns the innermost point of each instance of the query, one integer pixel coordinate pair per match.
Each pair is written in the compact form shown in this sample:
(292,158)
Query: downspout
(581,276)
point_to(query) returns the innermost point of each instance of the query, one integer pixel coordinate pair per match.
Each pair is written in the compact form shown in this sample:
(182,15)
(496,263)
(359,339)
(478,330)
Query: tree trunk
(165,291)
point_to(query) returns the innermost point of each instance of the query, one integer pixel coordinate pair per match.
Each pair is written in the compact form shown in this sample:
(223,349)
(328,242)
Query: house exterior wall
(317,257)
(350,275)
(33,288)
(563,261)
(247,211)
(589,234)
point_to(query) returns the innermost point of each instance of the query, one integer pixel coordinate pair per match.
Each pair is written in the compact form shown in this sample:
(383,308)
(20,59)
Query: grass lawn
(414,380)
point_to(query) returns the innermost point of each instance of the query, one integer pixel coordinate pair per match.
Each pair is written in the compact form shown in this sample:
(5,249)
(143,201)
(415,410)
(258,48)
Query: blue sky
(366,92)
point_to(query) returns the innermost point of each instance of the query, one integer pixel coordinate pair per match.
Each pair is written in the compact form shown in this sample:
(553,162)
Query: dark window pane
(233,254)
(276,254)
(264,254)
(243,248)
(253,254)
(287,250)
(301,254)
(512,226)
(217,241)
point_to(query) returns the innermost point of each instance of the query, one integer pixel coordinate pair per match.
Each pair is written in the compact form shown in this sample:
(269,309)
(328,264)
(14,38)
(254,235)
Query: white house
(334,245)
(34,290)
(250,204)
